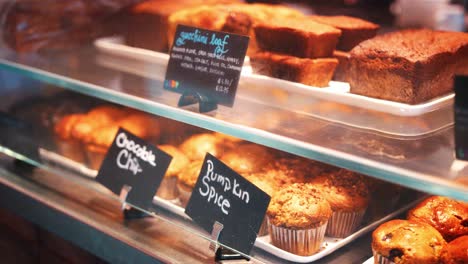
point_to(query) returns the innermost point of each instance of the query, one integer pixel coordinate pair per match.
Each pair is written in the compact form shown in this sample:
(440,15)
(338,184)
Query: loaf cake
(148,21)
(409,66)
(233,18)
(300,37)
(353,30)
(313,72)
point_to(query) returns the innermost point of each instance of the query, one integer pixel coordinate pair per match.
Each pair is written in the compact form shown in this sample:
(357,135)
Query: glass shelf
(424,163)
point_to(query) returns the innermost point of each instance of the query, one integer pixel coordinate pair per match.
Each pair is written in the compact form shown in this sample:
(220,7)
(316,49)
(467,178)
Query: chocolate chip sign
(222,195)
(207,62)
(136,164)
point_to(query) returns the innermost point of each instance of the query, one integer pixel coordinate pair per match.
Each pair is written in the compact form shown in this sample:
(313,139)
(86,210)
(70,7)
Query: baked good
(406,242)
(353,30)
(448,216)
(455,252)
(97,117)
(298,169)
(342,67)
(234,18)
(148,21)
(65,144)
(313,72)
(298,217)
(409,66)
(247,158)
(348,195)
(187,179)
(100,139)
(168,187)
(196,146)
(299,37)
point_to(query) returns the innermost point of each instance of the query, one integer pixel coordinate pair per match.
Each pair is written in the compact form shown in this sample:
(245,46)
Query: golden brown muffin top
(408,242)
(344,22)
(448,216)
(247,158)
(179,160)
(196,146)
(64,127)
(188,176)
(415,45)
(141,125)
(267,181)
(97,117)
(298,169)
(344,190)
(103,136)
(455,252)
(298,206)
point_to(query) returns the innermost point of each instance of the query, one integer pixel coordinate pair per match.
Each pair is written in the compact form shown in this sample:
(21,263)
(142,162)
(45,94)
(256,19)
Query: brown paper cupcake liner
(263,228)
(71,149)
(303,242)
(379,259)
(95,159)
(342,224)
(168,188)
(184,195)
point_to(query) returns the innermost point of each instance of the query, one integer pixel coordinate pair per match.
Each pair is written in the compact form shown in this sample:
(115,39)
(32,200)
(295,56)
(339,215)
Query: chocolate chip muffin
(448,216)
(406,242)
(168,187)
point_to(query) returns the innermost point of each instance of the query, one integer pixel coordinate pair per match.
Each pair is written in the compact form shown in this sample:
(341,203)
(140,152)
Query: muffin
(270,183)
(65,144)
(455,252)
(101,138)
(348,196)
(187,179)
(196,146)
(298,169)
(97,117)
(406,242)
(448,216)
(168,187)
(297,219)
(248,158)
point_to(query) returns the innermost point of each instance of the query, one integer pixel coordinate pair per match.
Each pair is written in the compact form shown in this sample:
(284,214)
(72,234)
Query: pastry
(409,66)
(168,187)
(406,242)
(298,217)
(313,72)
(455,252)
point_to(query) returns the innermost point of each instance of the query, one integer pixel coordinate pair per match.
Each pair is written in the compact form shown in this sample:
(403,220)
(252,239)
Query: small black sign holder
(206,104)
(222,254)
(129,212)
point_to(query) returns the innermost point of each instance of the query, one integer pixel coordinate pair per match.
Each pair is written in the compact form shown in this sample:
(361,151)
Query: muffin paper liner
(303,242)
(264,227)
(379,259)
(184,195)
(168,188)
(342,224)
(71,149)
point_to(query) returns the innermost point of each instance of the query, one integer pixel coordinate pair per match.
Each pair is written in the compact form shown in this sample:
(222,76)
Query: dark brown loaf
(410,66)
(353,30)
(314,72)
(300,37)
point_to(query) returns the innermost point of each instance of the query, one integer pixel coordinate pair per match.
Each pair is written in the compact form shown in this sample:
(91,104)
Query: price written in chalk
(223,85)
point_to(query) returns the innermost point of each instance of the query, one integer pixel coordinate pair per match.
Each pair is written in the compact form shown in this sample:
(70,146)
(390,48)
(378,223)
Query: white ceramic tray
(336,92)
(328,246)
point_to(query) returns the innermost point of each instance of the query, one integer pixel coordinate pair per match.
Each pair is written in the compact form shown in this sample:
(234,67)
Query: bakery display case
(296,123)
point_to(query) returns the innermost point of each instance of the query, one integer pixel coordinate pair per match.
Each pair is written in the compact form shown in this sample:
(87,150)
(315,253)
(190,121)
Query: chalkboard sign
(132,162)
(207,62)
(461,117)
(222,195)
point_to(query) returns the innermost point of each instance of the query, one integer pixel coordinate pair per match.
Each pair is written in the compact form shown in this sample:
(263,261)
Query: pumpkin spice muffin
(455,252)
(348,196)
(187,179)
(248,158)
(168,187)
(448,216)
(406,242)
(196,146)
(299,169)
(297,219)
